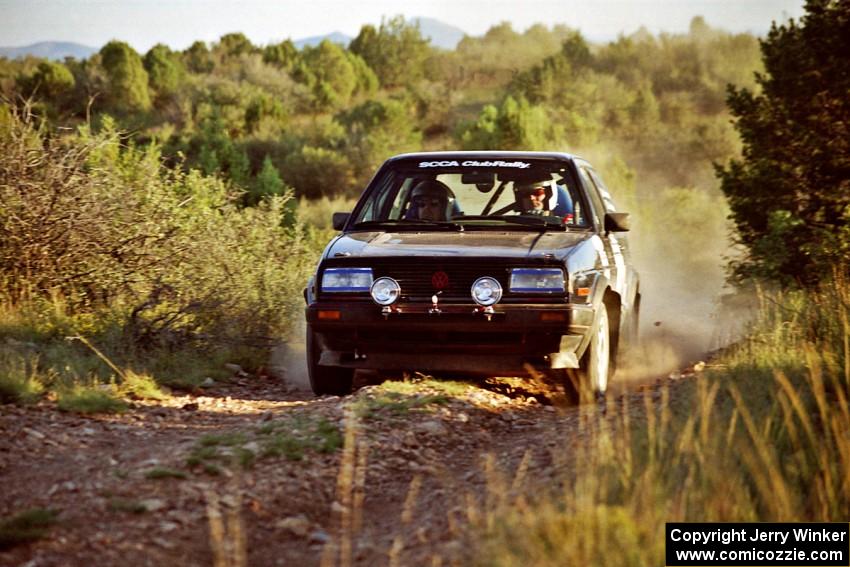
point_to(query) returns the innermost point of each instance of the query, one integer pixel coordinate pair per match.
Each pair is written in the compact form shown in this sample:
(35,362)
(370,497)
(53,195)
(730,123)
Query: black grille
(414,275)
(416,281)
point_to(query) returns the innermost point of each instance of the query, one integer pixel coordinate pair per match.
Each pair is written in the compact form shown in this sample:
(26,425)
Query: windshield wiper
(532,221)
(412,223)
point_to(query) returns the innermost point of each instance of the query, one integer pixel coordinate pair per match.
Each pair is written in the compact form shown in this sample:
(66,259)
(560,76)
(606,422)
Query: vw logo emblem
(440,280)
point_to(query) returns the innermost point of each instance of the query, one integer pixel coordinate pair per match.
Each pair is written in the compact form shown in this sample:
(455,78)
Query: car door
(617,241)
(597,218)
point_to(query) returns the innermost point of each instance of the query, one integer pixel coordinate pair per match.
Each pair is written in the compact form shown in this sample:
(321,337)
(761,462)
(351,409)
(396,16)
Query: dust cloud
(682,274)
(680,245)
(288,360)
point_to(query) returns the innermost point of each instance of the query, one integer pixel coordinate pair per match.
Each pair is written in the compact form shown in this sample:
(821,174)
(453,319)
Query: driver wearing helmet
(533,198)
(430,200)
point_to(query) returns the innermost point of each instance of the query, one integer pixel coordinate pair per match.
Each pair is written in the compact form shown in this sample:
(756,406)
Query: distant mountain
(335,37)
(440,33)
(50,50)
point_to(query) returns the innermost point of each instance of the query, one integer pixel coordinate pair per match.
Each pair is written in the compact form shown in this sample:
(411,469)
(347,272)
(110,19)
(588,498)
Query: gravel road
(253,468)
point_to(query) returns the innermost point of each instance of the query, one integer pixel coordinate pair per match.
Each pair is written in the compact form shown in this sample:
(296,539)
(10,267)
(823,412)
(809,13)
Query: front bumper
(454,338)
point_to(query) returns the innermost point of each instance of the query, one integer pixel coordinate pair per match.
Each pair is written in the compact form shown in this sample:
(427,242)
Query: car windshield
(474,193)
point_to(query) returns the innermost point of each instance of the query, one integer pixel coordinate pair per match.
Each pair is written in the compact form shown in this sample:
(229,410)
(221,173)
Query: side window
(372,209)
(575,203)
(596,203)
(368,211)
(603,191)
(571,203)
(401,200)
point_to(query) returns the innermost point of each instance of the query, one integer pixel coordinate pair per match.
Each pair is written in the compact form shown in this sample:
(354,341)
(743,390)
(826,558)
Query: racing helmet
(534,197)
(433,199)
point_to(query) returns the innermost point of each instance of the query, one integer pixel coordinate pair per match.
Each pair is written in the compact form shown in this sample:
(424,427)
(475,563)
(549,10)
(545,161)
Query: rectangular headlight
(347,280)
(532,280)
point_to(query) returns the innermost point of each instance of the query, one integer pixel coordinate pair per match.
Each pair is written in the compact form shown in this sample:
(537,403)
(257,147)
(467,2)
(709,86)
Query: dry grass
(765,437)
(90,399)
(20,382)
(46,350)
(227,528)
(346,518)
(25,527)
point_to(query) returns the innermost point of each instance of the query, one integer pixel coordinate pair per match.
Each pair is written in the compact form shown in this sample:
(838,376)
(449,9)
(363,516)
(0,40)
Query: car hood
(502,244)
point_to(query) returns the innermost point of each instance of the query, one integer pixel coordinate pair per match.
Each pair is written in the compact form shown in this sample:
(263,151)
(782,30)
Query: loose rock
(152,504)
(298,525)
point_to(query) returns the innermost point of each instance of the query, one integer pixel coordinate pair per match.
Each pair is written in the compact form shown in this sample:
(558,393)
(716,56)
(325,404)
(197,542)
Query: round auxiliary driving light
(486,291)
(385,291)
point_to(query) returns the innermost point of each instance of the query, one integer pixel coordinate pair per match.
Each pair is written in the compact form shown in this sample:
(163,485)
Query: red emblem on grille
(440,280)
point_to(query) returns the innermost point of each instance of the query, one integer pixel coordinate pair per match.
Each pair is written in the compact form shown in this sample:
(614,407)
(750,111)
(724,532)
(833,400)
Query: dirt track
(401,498)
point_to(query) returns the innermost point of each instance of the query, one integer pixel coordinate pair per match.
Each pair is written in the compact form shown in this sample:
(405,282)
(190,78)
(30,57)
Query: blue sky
(178,23)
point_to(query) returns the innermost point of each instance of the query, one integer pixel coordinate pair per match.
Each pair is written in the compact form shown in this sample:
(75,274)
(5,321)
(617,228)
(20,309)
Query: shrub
(396,51)
(170,256)
(128,80)
(89,399)
(319,172)
(25,527)
(515,125)
(140,387)
(19,381)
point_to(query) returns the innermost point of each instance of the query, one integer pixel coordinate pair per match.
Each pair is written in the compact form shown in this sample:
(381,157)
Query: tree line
(317,121)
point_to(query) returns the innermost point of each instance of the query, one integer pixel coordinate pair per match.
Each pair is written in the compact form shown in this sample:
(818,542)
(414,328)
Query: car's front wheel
(326,380)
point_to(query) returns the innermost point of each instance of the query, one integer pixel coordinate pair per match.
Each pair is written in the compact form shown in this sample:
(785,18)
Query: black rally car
(476,262)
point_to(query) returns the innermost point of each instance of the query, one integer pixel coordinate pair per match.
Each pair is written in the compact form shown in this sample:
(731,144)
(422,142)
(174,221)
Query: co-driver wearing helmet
(545,198)
(531,199)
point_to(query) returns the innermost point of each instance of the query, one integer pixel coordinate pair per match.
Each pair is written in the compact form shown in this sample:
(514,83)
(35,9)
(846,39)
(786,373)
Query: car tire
(590,380)
(326,380)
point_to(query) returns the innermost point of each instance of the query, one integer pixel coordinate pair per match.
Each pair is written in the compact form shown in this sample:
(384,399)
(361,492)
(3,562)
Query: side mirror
(339,220)
(617,222)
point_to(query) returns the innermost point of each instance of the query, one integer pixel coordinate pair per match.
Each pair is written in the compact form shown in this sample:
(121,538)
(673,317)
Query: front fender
(310,291)
(599,289)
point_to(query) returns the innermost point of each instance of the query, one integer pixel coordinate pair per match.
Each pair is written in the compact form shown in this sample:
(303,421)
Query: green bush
(19,380)
(126,78)
(515,125)
(90,399)
(25,527)
(317,172)
(790,192)
(395,50)
(170,255)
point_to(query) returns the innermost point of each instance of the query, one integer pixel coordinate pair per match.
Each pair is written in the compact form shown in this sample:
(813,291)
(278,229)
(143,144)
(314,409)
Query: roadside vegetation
(292,438)
(117,270)
(761,435)
(25,527)
(185,245)
(397,398)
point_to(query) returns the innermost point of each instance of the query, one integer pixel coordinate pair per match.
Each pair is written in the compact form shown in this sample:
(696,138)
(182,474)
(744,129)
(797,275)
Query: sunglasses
(536,192)
(426,202)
